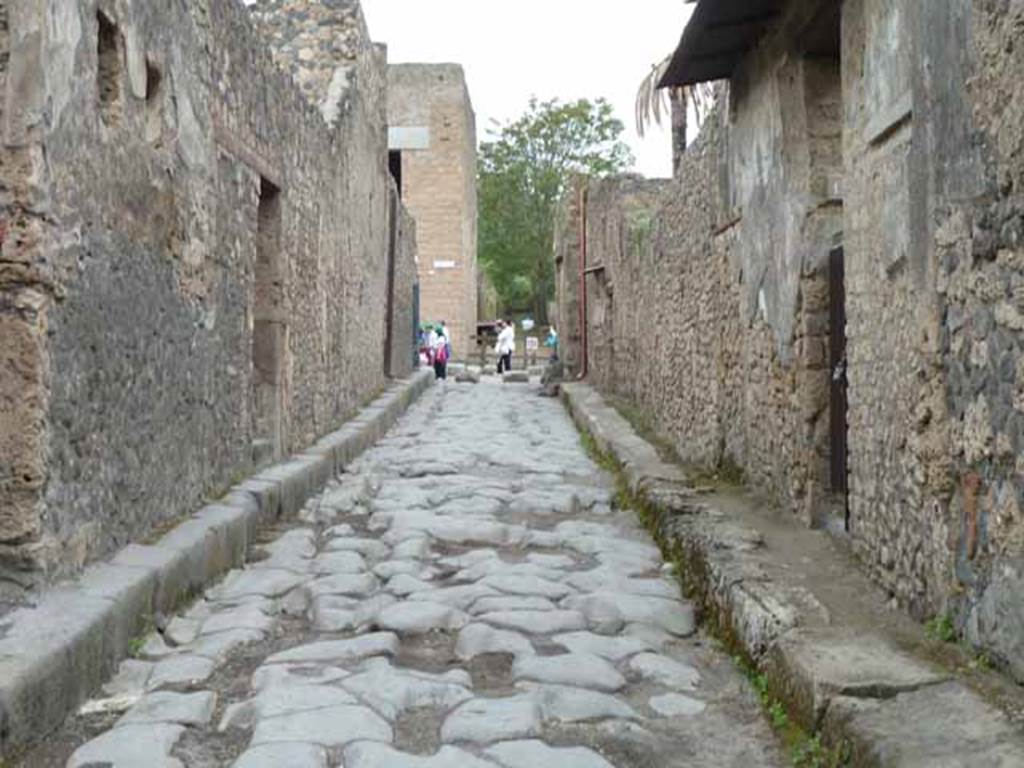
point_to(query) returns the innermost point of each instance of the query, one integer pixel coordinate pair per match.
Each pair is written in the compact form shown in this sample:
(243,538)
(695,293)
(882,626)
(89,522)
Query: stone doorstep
(893,709)
(55,655)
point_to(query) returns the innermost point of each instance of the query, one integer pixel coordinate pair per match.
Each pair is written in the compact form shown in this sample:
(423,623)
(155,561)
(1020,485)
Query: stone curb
(55,655)
(886,707)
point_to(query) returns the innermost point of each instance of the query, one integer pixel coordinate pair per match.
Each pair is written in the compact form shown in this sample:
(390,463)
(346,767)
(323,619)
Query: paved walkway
(465,597)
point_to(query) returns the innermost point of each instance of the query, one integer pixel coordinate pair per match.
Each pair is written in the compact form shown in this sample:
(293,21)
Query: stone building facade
(829,292)
(195,257)
(433,157)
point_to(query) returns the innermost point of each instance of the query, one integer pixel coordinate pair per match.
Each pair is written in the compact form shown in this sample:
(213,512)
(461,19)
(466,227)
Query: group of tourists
(437,348)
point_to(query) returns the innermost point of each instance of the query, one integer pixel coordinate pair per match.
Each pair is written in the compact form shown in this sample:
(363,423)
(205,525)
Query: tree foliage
(523,172)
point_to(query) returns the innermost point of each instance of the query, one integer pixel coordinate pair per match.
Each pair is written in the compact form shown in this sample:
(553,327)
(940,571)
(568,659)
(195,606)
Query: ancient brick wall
(433,127)
(194,261)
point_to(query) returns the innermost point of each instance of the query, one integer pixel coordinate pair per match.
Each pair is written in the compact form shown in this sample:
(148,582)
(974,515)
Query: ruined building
(829,293)
(205,264)
(432,142)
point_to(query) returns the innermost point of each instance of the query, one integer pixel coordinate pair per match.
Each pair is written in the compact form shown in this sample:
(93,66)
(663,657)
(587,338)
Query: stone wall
(193,260)
(708,298)
(433,126)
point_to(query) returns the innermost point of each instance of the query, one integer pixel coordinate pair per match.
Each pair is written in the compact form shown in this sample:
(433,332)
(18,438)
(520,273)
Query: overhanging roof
(715,39)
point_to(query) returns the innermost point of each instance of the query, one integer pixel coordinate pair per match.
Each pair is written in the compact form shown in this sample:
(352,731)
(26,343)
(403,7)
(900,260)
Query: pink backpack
(441,355)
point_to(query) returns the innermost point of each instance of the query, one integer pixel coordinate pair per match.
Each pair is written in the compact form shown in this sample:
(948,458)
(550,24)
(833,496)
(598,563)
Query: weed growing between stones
(940,628)
(806,749)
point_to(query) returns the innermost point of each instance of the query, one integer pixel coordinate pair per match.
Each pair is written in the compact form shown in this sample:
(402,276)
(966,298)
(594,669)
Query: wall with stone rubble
(194,258)
(708,302)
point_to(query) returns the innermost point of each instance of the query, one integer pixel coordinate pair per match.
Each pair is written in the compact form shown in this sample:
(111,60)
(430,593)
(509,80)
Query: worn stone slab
(222,644)
(279,700)
(577,669)
(329,726)
(614,648)
(477,639)
(375,644)
(665,671)
(571,705)
(674,616)
(532,753)
(811,666)
(256,582)
(537,622)
(246,616)
(939,726)
(180,669)
(169,707)
(134,746)
(169,566)
(303,673)
(352,584)
(485,721)
(391,691)
(283,755)
(365,754)
(51,658)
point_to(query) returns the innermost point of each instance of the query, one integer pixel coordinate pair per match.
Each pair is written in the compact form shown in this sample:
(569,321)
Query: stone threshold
(54,655)
(845,666)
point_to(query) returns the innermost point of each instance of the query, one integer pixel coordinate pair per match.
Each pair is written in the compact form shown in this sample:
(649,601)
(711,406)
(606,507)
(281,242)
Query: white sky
(549,48)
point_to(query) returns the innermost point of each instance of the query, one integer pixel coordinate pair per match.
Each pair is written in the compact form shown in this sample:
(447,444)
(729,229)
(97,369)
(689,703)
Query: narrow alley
(455,600)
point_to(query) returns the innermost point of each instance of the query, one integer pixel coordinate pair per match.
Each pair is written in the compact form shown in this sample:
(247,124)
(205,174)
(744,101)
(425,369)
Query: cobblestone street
(464,596)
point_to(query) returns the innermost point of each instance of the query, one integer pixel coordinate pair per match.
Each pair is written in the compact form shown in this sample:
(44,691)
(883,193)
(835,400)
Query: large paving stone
(665,671)
(272,675)
(537,622)
(131,746)
(339,561)
(278,700)
(180,669)
(283,755)
(514,584)
(391,691)
(375,644)
(673,616)
(477,639)
(417,618)
(492,604)
(612,648)
(329,726)
(577,669)
(485,721)
(461,596)
(247,616)
(222,644)
(331,613)
(568,704)
(170,707)
(365,754)
(262,582)
(351,584)
(532,753)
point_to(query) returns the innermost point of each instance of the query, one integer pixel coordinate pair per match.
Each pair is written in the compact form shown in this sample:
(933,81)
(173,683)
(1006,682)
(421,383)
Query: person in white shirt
(505,346)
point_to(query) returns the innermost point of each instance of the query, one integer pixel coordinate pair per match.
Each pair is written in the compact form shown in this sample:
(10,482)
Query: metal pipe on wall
(582,223)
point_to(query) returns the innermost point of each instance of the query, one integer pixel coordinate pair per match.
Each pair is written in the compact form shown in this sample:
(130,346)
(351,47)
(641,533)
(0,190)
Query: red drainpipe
(583,280)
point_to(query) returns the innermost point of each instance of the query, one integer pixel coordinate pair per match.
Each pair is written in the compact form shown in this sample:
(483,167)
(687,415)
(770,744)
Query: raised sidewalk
(843,663)
(54,655)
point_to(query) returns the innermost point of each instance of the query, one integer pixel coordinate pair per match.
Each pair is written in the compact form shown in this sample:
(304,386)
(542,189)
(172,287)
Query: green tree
(523,172)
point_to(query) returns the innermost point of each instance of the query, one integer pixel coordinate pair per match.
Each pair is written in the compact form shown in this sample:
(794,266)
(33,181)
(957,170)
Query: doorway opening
(270,329)
(838,400)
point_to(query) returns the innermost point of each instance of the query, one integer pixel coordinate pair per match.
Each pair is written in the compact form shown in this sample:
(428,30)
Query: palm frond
(653,103)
